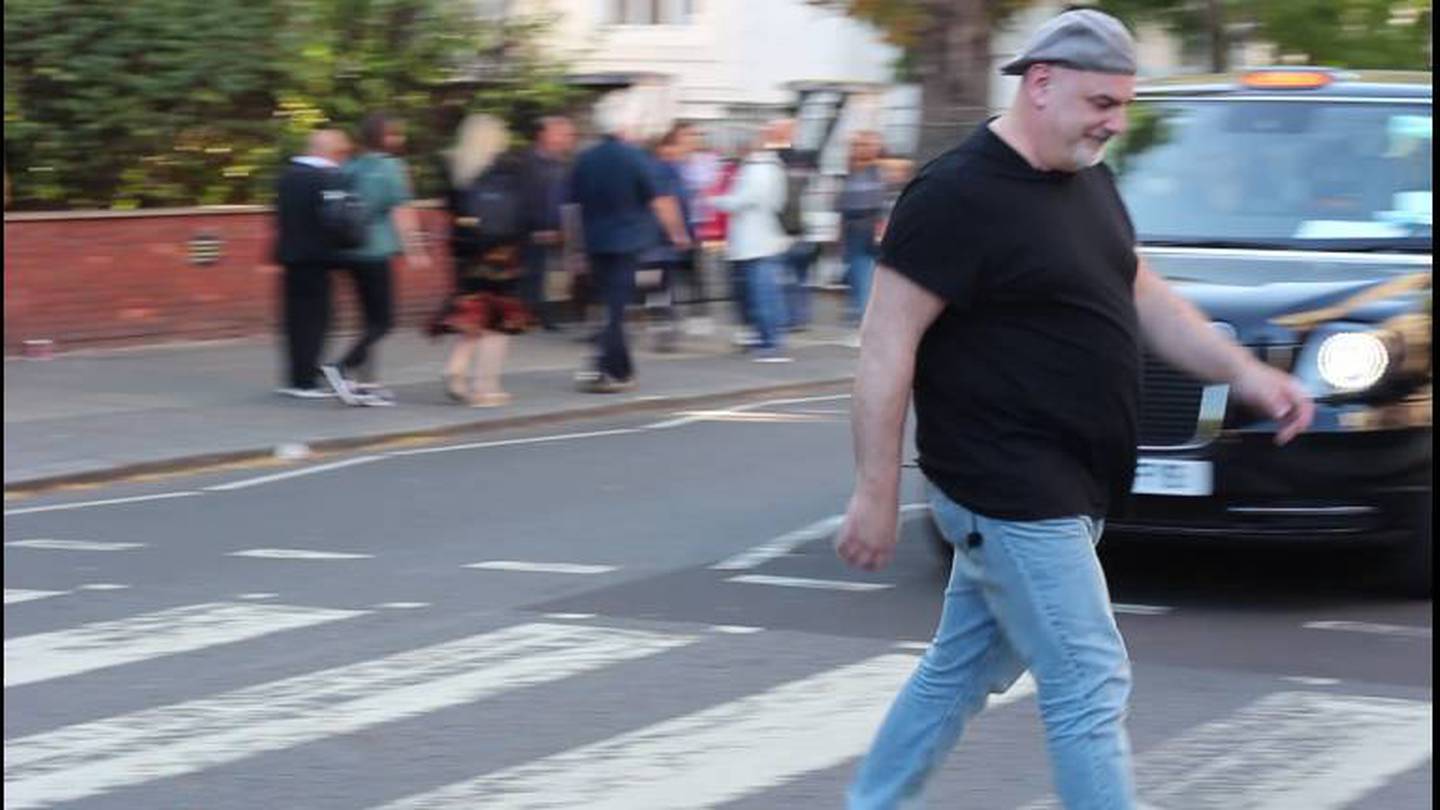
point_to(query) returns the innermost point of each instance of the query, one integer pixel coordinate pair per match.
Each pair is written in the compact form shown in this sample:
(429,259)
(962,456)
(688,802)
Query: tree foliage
(1376,34)
(179,102)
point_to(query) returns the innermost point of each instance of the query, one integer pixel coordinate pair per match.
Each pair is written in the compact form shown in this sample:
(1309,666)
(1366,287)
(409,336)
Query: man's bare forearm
(882,396)
(1181,335)
(898,315)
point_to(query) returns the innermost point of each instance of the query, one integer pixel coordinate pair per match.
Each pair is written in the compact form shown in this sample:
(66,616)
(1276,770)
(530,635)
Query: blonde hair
(480,140)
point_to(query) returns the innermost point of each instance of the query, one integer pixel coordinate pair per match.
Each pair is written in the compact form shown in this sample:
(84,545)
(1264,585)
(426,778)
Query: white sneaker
(374,400)
(340,385)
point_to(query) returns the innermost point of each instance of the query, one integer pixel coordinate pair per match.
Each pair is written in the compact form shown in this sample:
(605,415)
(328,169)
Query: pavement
(631,612)
(94,416)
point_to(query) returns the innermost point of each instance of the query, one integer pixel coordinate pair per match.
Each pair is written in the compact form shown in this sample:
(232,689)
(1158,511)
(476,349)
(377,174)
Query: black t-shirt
(1026,386)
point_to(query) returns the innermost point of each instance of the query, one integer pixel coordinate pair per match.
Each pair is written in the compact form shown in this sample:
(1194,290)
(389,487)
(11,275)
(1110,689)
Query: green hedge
(181,102)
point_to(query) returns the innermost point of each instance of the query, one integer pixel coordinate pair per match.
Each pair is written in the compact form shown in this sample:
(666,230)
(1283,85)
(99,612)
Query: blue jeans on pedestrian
(614,276)
(766,293)
(1022,595)
(798,260)
(859,257)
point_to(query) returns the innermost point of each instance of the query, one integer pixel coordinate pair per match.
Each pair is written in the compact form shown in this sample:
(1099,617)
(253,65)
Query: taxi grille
(1169,405)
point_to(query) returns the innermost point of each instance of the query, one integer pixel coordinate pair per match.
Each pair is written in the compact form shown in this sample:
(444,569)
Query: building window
(649,12)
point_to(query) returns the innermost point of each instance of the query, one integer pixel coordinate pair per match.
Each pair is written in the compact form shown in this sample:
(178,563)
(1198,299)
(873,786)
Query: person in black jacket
(546,165)
(307,255)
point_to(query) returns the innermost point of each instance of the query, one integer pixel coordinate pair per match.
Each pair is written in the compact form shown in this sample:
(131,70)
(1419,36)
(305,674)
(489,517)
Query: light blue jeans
(764,282)
(1022,595)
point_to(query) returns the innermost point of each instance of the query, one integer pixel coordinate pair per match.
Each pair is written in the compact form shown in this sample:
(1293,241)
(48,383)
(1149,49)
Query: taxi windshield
(1312,174)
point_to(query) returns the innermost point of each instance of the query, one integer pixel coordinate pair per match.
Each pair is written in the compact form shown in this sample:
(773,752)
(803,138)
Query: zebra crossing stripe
(95,757)
(702,759)
(61,653)
(14,595)
(1315,750)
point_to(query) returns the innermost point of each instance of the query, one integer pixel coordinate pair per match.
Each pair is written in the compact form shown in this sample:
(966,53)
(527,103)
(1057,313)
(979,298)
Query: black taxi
(1293,206)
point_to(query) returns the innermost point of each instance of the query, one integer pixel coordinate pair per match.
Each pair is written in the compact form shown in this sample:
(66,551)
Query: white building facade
(731,63)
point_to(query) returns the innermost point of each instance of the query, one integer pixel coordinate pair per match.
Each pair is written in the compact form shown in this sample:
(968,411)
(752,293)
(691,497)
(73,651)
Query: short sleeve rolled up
(935,239)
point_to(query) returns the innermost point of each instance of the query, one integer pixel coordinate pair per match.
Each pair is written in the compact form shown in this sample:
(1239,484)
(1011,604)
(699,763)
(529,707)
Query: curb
(193,463)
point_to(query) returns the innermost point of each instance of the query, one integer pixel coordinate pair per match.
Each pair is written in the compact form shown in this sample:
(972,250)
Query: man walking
(306,252)
(619,206)
(1010,297)
(544,178)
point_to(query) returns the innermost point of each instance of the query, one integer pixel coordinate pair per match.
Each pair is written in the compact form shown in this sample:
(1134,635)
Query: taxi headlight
(1352,361)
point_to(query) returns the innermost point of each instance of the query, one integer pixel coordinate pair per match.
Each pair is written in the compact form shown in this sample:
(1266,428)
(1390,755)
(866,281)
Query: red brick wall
(100,278)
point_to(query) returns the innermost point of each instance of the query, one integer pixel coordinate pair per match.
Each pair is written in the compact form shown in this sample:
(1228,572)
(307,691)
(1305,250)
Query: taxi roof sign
(1283,79)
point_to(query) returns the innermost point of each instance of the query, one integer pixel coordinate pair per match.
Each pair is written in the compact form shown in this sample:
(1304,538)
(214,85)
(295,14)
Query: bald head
(780,132)
(330,144)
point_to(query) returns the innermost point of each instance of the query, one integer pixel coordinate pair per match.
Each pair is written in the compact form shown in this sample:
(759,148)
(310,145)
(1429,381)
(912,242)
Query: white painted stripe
(570,616)
(16,595)
(92,758)
(691,417)
(512,442)
(1141,610)
(298,554)
(703,759)
(736,629)
(1308,680)
(786,544)
(270,479)
(403,605)
(30,510)
(73,545)
(781,546)
(920,646)
(1405,631)
(541,567)
(61,653)
(256,597)
(103,586)
(1287,750)
(813,584)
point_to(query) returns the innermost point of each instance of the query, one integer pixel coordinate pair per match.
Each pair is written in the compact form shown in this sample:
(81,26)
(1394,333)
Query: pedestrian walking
(700,169)
(1011,300)
(382,182)
(670,262)
(614,188)
(546,166)
(861,203)
(307,249)
(756,241)
(487,233)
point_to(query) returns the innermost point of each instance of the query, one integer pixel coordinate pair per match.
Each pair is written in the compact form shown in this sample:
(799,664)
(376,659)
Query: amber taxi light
(1286,79)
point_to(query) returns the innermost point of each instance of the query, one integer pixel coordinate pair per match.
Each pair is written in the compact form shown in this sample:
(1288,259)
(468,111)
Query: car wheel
(1410,568)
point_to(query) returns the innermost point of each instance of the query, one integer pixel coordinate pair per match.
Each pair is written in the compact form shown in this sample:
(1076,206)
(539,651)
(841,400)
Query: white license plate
(1157,476)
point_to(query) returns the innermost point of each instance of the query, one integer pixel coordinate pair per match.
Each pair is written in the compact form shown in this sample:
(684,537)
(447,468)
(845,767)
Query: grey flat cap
(1083,39)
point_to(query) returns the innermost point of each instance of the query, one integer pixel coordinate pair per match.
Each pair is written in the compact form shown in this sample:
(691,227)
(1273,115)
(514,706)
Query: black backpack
(489,213)
(343,218)
(792,219)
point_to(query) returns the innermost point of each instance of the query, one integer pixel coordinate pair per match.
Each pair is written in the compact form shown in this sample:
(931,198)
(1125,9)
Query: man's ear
(1038,84)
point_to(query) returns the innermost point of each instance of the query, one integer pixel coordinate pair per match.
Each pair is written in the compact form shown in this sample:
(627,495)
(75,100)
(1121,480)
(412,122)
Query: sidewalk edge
(199,461)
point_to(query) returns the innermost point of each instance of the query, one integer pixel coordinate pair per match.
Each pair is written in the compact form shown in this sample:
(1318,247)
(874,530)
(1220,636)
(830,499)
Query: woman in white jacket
(755,240)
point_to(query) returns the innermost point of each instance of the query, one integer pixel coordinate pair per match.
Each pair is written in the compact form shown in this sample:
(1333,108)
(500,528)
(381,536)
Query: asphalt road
(643,612)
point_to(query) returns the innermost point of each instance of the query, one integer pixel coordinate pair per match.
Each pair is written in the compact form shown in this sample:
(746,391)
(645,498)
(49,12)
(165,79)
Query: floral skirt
(487,299)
